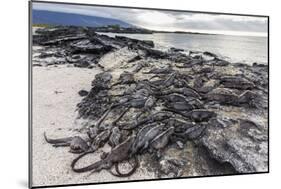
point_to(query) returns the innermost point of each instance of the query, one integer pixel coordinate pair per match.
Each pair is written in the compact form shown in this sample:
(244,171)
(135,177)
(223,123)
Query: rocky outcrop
(118,29)
(82,47)
(242,143)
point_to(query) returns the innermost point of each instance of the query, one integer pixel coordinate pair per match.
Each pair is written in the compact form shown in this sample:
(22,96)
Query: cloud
(159,18)
(168,20)
(197,18)
(210,17)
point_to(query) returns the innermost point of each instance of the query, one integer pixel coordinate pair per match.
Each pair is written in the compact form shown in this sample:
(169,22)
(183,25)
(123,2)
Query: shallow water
(242,49)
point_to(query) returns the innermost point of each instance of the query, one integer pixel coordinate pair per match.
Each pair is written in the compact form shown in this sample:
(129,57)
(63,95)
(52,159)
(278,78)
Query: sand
(55,95)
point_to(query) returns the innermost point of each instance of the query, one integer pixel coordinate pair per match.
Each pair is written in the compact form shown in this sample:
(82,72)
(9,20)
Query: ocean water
(236,49)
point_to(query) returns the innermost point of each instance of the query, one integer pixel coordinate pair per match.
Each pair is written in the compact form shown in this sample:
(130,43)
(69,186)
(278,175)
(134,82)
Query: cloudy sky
(170,20)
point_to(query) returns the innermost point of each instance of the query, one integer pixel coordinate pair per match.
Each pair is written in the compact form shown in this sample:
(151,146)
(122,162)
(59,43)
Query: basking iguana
(118,154)
(76,143)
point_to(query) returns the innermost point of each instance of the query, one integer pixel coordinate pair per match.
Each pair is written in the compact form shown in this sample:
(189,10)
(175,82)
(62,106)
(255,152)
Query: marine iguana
(155,117)
(162,139)
(140,135)
(100,139)
(118,154)
(196,115)
(76,143)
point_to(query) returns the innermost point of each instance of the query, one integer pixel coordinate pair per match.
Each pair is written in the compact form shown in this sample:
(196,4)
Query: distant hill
(71,19)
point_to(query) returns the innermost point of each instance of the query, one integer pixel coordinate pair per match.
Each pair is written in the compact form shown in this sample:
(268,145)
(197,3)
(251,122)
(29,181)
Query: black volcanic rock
(243,145)
(114,29)
(173,49)
(83,93)
(86,46)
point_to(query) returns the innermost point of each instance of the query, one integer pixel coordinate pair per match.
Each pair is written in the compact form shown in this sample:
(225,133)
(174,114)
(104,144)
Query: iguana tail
(91,167)
(57,141)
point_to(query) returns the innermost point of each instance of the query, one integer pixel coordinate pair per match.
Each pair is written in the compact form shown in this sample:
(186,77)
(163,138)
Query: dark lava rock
(148,43)
(126,78)
(153,53)
(210,54)
(86,46)
(102,80)
(39,65)
(97,100)
(171,167)
(83,93)
(173,49)
(236,144)
(82,64)
(259,65)
(136,58)
(219,62)
(165,70)
(135,43)
(58,35)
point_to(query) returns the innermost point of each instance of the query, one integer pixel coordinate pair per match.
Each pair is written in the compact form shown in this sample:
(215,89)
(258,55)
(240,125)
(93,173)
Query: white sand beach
(55,95)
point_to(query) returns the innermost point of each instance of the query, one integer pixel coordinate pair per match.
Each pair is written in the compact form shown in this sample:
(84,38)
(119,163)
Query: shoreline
(165,46)
(122,30)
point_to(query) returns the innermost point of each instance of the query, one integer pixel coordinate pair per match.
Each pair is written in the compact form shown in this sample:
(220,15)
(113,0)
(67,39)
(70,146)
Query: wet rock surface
(173,113)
